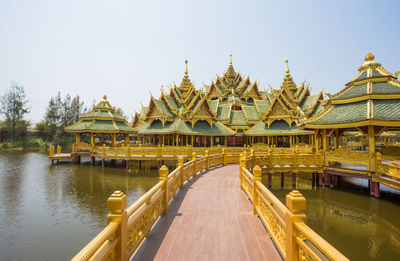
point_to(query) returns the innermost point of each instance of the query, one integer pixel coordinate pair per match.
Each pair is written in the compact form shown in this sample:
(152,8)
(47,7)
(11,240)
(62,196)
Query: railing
(285,224)
(348,156)
(389,168)
(127,228)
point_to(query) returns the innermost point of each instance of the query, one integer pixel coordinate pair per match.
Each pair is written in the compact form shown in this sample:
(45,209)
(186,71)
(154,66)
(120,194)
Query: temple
(231,111)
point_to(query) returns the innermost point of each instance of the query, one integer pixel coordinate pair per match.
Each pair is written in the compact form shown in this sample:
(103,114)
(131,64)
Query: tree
(13,107)
(59,113)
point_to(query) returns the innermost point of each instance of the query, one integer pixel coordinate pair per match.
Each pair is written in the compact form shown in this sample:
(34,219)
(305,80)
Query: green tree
(13,108)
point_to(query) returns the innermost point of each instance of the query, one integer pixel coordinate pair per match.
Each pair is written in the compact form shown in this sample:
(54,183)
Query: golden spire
(287,67)
(369,57)
(231,71)
(105,97)
(186,70)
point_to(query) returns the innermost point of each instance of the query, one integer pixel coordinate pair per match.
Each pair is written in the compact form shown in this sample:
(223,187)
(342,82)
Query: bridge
(205,209)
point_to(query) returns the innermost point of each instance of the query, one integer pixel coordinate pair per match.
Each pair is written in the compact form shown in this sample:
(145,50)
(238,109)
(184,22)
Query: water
(359,226)
(51,212)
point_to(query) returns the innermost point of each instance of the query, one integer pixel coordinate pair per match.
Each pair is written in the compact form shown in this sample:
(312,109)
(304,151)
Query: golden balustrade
(285,224)
(127,228)
(348,156)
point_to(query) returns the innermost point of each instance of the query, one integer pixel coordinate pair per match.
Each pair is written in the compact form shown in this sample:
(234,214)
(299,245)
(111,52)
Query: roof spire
(105,97)
(287,67)
(231,71)
(186,70)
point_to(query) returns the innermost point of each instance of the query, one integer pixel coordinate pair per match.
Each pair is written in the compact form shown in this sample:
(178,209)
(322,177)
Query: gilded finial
(105,97)
(186,70)
(369,57)
(162,88)
(287,66)
(231,59)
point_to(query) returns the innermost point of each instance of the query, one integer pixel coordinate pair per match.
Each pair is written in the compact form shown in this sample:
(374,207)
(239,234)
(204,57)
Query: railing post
(163,172)
(296,204)
(128,150)
(73,148)
(180,164)
(92,148)
(194,163)
(242,165)
(207,160)
(223,157)
(116,205)
(256,180)
(104,149)
(252,158)
(58,149)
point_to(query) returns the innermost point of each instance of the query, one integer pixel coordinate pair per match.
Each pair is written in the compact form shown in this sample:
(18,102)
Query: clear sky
(126,49)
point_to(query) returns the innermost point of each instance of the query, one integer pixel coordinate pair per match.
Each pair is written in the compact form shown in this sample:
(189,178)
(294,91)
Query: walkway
(209,219)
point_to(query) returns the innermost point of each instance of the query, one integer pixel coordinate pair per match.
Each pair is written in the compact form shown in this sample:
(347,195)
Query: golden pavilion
(231,111)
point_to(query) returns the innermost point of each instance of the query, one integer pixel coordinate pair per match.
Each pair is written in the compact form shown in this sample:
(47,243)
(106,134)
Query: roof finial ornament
(287,66)
(231,59)
(369,57)
(162,89)
(105,97)
(186,70)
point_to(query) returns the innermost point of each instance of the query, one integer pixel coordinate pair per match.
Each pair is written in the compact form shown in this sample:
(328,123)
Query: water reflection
(361,227)
(50,212)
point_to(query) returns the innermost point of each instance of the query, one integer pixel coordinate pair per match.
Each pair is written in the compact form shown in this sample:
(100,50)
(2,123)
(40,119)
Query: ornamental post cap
(369,57)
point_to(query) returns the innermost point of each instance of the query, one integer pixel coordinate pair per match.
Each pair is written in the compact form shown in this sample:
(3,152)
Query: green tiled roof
(376,73)
(319,107)
(263,94)
(262,105)
(385,88)
(308,102)
(251,112)
(182,127)
(172,102)
(362,76)
(353,91)
(163,107)
(237,117)
(276,128)
(388,110)
(214,105)
(223,112)
(344,113)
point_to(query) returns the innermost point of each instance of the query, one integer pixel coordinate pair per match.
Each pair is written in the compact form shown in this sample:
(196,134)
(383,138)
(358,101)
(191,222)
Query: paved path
(209,219)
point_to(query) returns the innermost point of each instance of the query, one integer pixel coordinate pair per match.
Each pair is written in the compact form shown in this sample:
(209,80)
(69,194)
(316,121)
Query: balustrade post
(128,150)
(163,172)
(242,166)
(296,204)
(58,149)
(92,148)
(194,163)
(182,178)
(104,149)
(223,157)
(116,205)
(252,157)
(256,180)
(73,148)
(207,159)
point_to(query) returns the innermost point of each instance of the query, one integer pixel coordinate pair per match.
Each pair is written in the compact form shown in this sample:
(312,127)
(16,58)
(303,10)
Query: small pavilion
(102,119)
(369,104)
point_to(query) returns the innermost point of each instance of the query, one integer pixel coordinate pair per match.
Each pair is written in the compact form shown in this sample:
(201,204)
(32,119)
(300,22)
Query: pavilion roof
(101,119)
(371,98)
(276,128)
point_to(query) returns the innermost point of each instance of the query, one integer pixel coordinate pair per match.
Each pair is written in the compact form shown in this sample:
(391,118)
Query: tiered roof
(371,98)
(101,119)
(232,104)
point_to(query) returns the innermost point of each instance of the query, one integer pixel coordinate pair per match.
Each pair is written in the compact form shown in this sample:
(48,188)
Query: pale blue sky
(126,49)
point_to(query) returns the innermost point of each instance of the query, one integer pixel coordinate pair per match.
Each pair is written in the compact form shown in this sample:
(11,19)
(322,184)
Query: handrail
(97,242)
(129,227)
(306,233)
(285,224)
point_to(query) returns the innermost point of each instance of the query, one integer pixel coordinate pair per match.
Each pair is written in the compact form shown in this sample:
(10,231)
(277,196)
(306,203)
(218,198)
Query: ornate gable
(155,112)
(202,111)
(213,92)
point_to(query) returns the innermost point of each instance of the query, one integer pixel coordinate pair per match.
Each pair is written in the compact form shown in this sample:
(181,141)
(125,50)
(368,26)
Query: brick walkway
(209,219)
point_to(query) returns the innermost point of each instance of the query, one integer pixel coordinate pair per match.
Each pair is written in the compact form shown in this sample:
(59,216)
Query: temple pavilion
(369,104)
(102,119)
(231,111)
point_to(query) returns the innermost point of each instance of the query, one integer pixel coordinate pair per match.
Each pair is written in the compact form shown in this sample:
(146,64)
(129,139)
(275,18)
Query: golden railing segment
(127,228)
(285,224)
